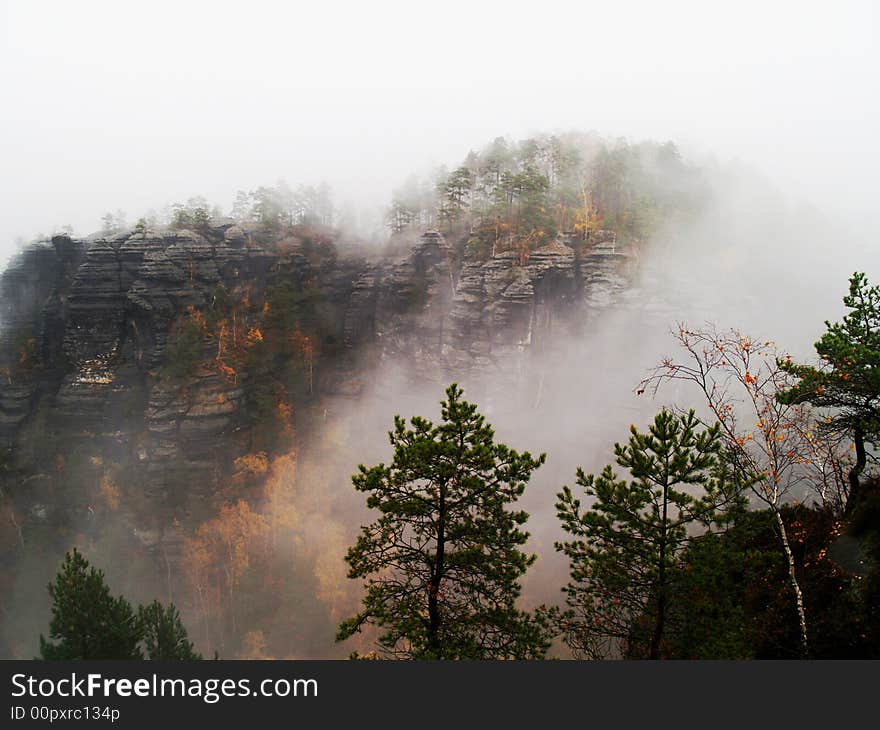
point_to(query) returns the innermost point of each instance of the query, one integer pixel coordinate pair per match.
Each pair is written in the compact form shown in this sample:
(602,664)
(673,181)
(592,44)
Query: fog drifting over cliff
(109,106)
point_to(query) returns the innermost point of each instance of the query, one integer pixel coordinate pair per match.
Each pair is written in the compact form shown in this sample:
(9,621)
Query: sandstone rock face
(190,434)
(33,292)
(414,298)
(100,312)
(503,307)
(605,271)
(95,318)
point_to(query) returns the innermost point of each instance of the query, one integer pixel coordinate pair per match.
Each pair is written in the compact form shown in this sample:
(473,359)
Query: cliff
(161,358)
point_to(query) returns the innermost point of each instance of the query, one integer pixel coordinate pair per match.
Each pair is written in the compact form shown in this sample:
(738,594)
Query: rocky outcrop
(33,292)
(504,306)
(190,434)
(100,315)
(605,271)
(412,303)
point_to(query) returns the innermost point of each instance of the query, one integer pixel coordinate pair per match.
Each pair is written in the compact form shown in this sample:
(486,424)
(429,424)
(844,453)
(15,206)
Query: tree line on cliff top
(508,196)
(517,196)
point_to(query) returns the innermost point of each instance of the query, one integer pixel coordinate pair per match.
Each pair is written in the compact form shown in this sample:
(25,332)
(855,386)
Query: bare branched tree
(782,449)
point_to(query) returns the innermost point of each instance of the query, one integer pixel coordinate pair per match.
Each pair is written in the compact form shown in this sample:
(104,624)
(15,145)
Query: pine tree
(442,562)
(625,546)
(848,382)
(164,635)
(87,622)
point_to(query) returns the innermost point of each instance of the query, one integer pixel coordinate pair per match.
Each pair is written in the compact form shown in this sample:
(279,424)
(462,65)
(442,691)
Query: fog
(112,106)
(749,262)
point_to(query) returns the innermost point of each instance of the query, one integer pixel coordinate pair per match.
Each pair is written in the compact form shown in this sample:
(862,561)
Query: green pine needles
(847,382)
(443,560)
(89,623)
(626,545)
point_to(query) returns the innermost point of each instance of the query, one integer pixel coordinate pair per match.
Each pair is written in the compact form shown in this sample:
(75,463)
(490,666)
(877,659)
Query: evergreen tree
(848,382)
(444,559)
(625,546)
(164,635)
(406,206)
(87,622)
(453,193)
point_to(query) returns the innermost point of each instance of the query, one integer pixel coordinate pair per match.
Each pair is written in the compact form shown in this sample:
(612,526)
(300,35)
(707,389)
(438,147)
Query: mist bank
(173,381)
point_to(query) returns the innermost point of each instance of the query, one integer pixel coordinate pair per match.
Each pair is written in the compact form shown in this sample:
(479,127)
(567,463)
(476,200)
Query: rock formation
(86,327)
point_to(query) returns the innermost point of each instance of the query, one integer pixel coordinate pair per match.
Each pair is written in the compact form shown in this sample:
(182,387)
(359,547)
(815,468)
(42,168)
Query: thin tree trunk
(661,582)
(795,586)
(204,614)
(856,471)
(434,589)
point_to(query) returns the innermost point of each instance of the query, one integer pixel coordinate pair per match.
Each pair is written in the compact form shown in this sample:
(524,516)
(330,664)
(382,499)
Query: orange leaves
(284,411)
(253,463)
(254,335)
(110,494)
(221,548)
(197,318)
(740,376)
(254,646)
(302,342)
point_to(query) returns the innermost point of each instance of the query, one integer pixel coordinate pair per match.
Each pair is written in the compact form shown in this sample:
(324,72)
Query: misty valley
(579,398)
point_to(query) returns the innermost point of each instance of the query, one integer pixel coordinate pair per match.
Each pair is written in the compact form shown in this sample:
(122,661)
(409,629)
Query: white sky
(128,105)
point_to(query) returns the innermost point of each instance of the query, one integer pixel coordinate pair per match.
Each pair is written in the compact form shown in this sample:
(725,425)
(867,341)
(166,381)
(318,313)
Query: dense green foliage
(163,633)
(626,545)
(444,559)
(848,381)
(89,623)
(734,600)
